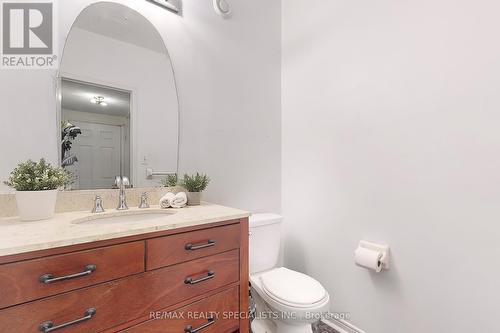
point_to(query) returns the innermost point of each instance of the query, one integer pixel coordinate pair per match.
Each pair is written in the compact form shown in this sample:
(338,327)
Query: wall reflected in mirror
(95,132)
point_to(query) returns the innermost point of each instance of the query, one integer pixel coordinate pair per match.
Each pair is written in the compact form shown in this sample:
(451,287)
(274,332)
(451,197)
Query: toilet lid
(292,288)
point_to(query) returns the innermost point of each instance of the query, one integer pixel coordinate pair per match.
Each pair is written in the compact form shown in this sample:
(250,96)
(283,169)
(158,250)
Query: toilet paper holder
(382,248)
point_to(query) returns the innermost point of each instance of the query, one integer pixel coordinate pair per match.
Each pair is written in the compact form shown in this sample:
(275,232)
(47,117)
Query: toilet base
(263,326)
(265,323)
(285,328)
(268,326)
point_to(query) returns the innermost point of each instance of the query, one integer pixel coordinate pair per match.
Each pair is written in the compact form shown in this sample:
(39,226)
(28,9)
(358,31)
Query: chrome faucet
(122,183)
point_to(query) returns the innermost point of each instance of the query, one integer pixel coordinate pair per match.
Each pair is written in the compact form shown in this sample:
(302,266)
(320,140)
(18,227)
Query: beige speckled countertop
(80,227)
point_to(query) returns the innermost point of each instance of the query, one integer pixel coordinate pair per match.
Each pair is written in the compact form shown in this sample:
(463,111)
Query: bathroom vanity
(136,270)
(176,270)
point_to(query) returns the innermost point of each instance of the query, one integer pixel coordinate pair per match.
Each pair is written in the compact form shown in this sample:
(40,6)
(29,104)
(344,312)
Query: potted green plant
(194,185)
(170,181)
(36,185)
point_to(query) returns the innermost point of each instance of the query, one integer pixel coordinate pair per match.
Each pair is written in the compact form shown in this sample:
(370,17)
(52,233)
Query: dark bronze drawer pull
(49,278)
(48,326)
(192,247)
(190,329)
(210,275)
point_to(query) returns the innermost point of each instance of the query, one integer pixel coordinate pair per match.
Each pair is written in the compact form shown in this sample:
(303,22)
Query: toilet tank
(265,240)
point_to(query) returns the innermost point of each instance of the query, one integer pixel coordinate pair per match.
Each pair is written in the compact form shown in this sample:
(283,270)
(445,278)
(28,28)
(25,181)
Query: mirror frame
(117,86)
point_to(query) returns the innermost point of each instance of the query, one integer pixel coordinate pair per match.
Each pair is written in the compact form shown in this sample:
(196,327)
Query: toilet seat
(292,289)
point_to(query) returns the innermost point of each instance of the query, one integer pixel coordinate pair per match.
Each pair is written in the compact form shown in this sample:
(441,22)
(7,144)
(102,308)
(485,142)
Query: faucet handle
(122,181)
(125,181)
(97,205)
(144,200)
(118,181)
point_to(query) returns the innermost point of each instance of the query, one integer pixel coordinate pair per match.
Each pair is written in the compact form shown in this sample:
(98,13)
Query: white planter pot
(36,205)
(194,198)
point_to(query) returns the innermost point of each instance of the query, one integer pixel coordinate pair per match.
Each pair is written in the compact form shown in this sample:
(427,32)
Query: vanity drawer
(170,250)
(24,281)
(217,314)
(126,299)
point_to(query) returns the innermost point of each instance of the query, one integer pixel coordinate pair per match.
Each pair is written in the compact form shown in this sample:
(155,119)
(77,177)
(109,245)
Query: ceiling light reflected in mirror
(99,100)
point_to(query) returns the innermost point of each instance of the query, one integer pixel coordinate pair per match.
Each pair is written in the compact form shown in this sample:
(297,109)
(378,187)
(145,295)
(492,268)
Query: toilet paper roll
(368,259)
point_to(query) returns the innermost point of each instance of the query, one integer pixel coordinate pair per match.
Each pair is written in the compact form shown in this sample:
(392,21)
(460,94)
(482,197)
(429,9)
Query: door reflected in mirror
(95,134)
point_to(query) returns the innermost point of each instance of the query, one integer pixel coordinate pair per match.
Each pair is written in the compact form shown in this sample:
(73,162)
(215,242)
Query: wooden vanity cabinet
(184,280)
(196,316)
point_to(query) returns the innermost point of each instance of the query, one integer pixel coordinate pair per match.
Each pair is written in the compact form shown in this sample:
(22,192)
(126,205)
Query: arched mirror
(119,109)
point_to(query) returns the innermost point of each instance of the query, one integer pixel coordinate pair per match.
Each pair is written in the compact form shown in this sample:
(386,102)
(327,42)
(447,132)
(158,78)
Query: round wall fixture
(222,8)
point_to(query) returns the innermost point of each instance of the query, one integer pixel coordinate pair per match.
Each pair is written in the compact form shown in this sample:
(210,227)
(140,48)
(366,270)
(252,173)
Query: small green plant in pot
(195,184)
(36,185)
(170,181)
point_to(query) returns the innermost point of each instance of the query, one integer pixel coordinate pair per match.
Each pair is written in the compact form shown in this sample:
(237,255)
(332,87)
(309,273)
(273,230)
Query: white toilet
(287,301)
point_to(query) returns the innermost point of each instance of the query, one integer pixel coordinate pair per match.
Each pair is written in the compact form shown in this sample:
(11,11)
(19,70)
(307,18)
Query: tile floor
(322,328)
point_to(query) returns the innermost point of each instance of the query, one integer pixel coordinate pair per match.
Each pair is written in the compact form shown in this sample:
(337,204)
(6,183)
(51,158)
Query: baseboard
(342,326)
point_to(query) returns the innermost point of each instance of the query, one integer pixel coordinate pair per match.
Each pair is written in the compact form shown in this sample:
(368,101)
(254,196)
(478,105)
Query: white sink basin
(124,217)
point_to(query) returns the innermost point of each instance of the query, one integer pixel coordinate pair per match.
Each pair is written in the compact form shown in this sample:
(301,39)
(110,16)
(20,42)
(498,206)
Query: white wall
(391,133)
(228,76)
(230,118)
